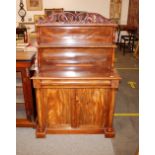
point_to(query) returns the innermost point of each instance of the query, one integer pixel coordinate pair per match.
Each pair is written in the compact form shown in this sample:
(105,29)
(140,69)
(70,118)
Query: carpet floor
(28,144)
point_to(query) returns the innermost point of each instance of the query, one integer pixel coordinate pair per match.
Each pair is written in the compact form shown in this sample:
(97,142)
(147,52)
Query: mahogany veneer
(76,82)
(77,104)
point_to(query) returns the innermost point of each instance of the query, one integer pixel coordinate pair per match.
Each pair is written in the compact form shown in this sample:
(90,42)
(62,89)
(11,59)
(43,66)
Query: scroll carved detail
(71,17)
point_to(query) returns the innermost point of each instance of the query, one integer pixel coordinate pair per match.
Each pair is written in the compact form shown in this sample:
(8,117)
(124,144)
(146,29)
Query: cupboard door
(58,107)
(91,107)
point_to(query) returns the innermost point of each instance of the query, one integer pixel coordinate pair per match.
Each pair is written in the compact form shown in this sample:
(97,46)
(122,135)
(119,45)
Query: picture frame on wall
(34,5)
(115,10)
(48,12)
(38,17)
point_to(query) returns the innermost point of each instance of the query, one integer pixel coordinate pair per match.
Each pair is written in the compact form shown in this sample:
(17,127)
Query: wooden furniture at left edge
(22,31)
(24,61)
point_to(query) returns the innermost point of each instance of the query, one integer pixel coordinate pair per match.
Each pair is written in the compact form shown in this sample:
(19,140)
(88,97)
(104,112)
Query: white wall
(98,6)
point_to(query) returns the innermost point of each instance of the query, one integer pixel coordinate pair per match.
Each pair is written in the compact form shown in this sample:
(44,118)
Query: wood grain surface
(76,79)
(74,57)
(91,107)
(74,35)
(58,107)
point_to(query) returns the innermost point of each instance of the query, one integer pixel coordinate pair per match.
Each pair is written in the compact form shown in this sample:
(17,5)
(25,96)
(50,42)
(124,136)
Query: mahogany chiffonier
(24,97)
(76,81)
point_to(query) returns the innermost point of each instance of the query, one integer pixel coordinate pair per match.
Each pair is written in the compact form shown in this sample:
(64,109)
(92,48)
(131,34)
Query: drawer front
(76,35)
(75,83)
(102,57)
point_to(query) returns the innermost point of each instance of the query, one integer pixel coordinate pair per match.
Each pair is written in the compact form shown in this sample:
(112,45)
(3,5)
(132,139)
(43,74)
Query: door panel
(58,107)
(91,107)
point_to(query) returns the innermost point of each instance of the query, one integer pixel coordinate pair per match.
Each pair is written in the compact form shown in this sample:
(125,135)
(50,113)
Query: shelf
(19,98)
(27,23)
(20,111)
(19,82)
(77,45)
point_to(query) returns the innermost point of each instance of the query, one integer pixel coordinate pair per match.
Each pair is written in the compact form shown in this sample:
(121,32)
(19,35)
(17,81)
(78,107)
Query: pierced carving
(71,17)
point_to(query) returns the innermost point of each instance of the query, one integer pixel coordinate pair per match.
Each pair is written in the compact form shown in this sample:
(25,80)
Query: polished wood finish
(22,31)
(49,57)
(76,81)
(75,104)
(24,123)
(128,28)
(75,35)
(24,61)
(133,13)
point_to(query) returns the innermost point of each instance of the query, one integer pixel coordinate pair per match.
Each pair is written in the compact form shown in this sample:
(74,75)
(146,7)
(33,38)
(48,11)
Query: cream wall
(124,12)
(98,6)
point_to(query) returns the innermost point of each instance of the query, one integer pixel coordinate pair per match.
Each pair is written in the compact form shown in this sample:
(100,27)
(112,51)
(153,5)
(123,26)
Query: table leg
(118,37)
(27,94)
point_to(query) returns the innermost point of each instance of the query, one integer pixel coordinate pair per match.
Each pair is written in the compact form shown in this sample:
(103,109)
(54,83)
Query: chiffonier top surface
(24,56)
(77,45)
(24,59)
(72,72)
